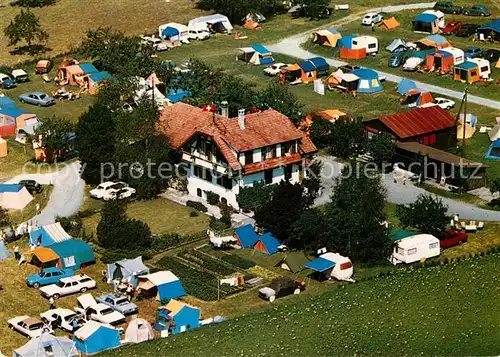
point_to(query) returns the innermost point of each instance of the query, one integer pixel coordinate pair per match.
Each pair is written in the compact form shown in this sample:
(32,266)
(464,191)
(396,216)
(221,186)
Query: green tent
(293,261)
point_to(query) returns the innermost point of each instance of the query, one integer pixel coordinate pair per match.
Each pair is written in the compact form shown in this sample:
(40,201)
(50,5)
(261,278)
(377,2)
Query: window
(225,181)
(199,193)
(429,139)
(269,152)
(412,251)
(400,251)
(372,45)
(248,157)
(288,172)
(198,172)
(268,177)
(433,245)
(473,73)
(354,43)
(208,175)
(84,280)
(69,261)
(484,69)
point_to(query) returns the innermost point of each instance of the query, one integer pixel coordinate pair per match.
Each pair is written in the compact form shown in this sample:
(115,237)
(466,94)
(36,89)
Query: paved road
(399,194)
(291,47)
(67,194)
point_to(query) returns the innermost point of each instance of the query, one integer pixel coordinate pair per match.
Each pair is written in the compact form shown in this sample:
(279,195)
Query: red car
(452,238)
(451,27)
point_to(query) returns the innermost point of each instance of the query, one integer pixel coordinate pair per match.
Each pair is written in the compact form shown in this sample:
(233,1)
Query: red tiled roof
(271,163)
(181,121)
(418,121)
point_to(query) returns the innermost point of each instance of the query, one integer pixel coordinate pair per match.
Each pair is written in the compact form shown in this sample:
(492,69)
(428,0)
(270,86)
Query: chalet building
(431,126)
(224,154)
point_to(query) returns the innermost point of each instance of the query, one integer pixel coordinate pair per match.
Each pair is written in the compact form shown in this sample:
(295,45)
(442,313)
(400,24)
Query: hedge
(197,206)
(212,198)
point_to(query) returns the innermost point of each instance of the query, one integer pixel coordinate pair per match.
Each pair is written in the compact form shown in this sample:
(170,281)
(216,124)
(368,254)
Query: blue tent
(469,118)
(88,68)
(260,49)
(168,285)
(493,151)
(492,26)
(405,86)
(177,94)
(369,82)
(184,316)
(73,253)
(129,269)
(307,66)
(246,236)
(12,111)
(320,264)
(47,235)
(440,40)
(39,347)
(320,63)
(95,337)
(4,253)
(346,41)
(268,244)
(6,102)
(169,32)
(100,76)
(425,18)
(10,187)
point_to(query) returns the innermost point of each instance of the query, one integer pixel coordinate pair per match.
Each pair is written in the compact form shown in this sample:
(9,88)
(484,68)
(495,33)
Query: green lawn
(446,310)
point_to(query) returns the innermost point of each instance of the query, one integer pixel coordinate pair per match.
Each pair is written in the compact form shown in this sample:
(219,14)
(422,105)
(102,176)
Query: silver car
(37,98)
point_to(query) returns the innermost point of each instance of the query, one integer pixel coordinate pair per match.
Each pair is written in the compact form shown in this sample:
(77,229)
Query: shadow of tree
(30,50)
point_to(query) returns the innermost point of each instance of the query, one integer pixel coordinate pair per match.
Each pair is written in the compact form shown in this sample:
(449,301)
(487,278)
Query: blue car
(37,98)
(474,52)
(118,303)
(6,82)
(48,276)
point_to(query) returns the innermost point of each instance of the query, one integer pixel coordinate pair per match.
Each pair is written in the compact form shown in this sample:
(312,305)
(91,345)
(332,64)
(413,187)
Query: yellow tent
(328,37)
(389,24)
(469,130)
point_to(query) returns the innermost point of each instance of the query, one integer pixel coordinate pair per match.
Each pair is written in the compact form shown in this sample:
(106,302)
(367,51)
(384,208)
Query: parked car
(118,303)
(451,238)
(65,319)
(43,66)
(100,312)
(412,63)
(274,69)
(476,10)
(492,56)
(6,82)
(20,75)
(447,7)
(66,286)
(467,30)
(397,59)
(157,43)
(198,34)
(103,190)
(451,27)
(281,287)
(32,186)
(474,52)
(444,103)
(28,326)
(37,98)
(119,191)
(348,68)
(372,18)
(48,276)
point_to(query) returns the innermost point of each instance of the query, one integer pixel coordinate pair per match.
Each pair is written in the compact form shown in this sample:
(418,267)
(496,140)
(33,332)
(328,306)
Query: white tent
(439,15)
(216,21)
(14,196)
(47,345)
(494,133)
(139,330)
(183,32)
(396,44)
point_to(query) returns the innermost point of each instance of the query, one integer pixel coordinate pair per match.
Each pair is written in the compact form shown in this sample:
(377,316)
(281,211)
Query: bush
(218,225)
(197,206)
(212,198)
(238,261)
(193,214)
(113,255)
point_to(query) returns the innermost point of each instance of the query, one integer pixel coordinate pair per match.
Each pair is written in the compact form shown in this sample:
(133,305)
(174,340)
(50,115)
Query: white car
(102,190)
(66,286)
(372,18)
(412,63)
(119,191)
(274,69)
(444,103)
(20,75)
(6,82)
(92,310)
(65,319)
(198,34)
(157,43)
(28,326)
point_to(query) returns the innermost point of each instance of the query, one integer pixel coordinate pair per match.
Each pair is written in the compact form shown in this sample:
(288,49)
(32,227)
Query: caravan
(370,43)
(174,32)
(212,23)
(415,248)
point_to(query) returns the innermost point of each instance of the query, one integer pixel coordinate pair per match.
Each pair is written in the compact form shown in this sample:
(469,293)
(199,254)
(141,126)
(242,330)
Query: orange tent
(350,53)
(252,25)
(389,24)
(4,148)
(43,257)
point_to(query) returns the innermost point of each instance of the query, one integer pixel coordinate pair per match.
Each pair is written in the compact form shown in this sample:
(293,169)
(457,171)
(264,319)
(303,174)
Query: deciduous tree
(25,27)
(280,98)
(33,3)
(346,138)
(428,214)
(382,149)
(53,136)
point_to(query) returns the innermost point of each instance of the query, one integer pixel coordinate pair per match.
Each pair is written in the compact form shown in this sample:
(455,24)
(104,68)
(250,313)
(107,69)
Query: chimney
(225,109)
(241,118)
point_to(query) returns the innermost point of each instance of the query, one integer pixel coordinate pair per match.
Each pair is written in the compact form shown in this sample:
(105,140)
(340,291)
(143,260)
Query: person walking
(373,27)
(130,292)
(17,255)
(52,303)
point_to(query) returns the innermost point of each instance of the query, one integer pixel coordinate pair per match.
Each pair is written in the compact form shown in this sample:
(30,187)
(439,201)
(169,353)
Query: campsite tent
(216,22)
(389,24)
(333,265)
(327,37)
(47,345)
(4,147)
(175,95)
(469,130)
(294,262)
(493,152)
(138,330)
(428,23)
(346,50)
(405,86)
(7,125)
(6,101)
(44,257)
(267,244)
(491,30)
(246,236)
(255,54)
(438,14)
(472,70)
(416,98)
(94,337)
(23,119)
(396,45)
(494,133)
(73,253)
(94,80)
(433,41)
(47,235)
(13,196)
(129,269)
(369,81)
(4,253)
(177,317)
(164,285)
(174,32)
(444,60)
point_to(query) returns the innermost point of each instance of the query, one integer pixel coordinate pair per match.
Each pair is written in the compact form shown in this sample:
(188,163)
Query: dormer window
(270,152)
(249,157)
(288,148)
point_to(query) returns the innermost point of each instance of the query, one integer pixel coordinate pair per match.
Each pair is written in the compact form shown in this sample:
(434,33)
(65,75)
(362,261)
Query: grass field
(415,312)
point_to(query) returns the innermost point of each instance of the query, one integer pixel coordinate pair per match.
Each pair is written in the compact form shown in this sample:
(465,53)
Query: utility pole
(464,121)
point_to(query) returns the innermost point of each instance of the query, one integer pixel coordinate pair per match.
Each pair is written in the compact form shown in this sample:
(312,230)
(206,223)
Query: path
(399,194)
(291,47)
(67,195)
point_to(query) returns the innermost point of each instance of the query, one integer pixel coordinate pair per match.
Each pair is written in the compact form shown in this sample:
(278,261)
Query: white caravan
(415,248)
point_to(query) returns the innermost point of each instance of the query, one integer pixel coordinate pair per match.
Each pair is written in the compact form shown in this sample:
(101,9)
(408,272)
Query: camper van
(415,248)
(368,42)
(334,265)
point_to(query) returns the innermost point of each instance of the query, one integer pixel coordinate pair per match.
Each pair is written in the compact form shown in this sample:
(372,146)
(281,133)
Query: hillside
(446,310)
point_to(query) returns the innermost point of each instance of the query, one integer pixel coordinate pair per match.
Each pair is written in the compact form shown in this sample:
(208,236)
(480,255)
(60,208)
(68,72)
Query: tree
(236,10)
(33,3)
(428,214)
(382,149)
(346,138)
(96,133)
(309,231)
(52,135)
(314,9)
(312,182)
(286,205)
(280,98)
(321,133)
(25,27)
(252,198)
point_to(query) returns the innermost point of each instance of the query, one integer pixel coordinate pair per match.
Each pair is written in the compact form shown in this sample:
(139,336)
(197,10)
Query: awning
(169,32)
(45,255)
(320,264)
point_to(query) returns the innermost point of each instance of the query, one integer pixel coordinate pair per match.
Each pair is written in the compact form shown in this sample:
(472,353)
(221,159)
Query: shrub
(193,214)
(212,198)
(197,206)
(165,241)
(218,225)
